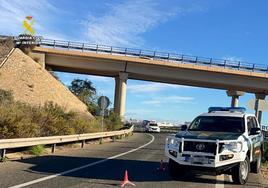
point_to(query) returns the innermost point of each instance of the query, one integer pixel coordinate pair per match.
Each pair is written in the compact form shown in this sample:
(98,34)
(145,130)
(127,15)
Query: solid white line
(81,167)
(220,181)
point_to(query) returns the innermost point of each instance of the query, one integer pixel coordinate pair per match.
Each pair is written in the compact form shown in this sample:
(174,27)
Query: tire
(256,166)
(174,169)
(240,172)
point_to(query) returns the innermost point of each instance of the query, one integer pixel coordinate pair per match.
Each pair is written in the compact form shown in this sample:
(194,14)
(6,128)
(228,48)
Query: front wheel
(240,172)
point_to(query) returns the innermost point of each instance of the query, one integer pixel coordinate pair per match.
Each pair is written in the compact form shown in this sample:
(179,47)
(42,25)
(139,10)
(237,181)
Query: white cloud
(125,22)
(152,87)
(173,99)
(178,98)
(100,78)
(138,112)
(152,102)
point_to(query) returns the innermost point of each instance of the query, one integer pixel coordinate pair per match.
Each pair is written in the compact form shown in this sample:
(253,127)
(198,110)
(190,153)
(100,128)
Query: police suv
(223,141)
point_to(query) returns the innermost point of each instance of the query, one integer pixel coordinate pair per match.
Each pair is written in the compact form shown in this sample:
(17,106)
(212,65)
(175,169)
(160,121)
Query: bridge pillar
(258,113)
(120,94)
(235,97)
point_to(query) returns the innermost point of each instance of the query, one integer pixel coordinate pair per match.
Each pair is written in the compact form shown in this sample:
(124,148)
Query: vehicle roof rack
(230,109)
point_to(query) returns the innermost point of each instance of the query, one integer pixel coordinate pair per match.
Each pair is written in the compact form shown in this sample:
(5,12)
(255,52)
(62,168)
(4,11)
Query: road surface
(104,166)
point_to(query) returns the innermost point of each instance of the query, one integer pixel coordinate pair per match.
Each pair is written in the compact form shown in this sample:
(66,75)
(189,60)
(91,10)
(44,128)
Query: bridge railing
(153,55)
(26,142)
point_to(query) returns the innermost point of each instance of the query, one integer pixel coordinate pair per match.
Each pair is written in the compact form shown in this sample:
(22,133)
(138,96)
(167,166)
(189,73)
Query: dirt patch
(31,84)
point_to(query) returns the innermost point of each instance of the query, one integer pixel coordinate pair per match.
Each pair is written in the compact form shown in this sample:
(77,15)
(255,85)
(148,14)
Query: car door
(255,140)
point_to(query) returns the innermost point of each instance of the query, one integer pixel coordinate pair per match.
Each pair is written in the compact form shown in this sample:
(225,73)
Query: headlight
(173,142)
(233,146)
(170,140)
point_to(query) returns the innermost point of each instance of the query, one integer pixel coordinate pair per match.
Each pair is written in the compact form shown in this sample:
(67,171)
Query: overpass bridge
(125,63)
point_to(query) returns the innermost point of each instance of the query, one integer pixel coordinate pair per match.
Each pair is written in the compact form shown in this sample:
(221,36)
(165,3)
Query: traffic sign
(104,113)
(103,102)
(264,127)
(261,104)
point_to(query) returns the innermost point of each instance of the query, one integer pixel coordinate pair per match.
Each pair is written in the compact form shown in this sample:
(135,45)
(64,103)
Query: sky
(235,30)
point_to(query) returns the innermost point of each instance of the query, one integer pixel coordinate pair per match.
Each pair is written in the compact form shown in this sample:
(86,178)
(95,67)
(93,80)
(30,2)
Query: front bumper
(215,161)
(153,130)
(225,169)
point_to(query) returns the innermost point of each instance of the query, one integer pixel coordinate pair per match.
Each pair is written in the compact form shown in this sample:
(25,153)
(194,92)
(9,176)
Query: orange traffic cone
(162,167)
(126,181)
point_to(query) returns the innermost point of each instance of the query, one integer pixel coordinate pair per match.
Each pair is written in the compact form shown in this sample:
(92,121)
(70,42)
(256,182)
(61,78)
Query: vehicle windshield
(153,124)
(218,124)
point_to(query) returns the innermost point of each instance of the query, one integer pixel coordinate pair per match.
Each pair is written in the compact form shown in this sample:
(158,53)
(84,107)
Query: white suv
(223,141)
(152,127)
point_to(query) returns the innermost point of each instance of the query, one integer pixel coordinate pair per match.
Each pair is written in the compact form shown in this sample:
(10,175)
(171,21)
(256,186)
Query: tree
(86,92)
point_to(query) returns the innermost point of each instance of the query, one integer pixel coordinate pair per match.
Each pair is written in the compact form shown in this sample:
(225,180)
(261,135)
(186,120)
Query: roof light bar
(230,109)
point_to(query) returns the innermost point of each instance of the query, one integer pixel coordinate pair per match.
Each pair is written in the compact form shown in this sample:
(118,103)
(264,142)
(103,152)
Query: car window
(218,124)
(254,122)
(251,122)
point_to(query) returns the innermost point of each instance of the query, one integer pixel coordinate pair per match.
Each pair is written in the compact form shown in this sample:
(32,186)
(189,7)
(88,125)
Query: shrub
(5,96)
(95,125)
(113,122)
(3,159)
(20,120)
(37,150)
(53,120)
(265,153)
(79,125)
(14,123)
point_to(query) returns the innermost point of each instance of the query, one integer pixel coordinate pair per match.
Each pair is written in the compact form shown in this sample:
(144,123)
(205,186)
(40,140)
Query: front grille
(206,147)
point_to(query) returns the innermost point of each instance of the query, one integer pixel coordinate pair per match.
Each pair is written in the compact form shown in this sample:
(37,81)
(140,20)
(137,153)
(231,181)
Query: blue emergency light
(230,109)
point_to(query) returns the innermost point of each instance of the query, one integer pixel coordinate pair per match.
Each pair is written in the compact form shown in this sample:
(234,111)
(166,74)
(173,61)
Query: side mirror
(183,127)
(255,131)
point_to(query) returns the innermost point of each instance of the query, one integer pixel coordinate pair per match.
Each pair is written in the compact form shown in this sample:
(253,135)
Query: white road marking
(220,181)
(82,167)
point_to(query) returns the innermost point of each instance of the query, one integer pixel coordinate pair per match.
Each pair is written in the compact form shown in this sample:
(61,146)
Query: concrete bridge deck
(154,70)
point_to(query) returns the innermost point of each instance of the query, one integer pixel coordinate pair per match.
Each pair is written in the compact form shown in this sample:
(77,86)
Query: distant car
(152,127)
(145,123)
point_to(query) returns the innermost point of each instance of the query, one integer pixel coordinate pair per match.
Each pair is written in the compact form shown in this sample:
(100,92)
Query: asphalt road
(104,166)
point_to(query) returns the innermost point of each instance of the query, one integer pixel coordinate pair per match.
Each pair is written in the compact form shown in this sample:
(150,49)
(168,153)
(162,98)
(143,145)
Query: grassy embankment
(21,120)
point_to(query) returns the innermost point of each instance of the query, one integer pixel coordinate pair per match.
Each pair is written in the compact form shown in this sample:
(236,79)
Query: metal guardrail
(145,54)
(169,129)
(163,129)
(26,142)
